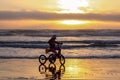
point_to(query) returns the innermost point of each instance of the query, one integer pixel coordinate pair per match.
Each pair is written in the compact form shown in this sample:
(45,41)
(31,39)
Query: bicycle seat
(47,50)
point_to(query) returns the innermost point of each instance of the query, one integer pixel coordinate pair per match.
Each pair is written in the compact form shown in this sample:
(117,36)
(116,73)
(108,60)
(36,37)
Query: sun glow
(73,22)
(73,6)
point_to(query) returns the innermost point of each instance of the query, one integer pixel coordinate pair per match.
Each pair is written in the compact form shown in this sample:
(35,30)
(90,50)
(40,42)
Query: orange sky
(59,14)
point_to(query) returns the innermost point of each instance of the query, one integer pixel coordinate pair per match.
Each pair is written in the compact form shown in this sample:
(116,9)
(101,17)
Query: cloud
(18,15)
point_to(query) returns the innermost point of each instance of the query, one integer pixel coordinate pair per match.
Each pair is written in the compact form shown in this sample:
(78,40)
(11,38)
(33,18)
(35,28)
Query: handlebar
(59,45)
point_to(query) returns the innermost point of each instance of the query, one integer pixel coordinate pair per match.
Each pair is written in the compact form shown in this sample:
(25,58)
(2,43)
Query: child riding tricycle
(55,48)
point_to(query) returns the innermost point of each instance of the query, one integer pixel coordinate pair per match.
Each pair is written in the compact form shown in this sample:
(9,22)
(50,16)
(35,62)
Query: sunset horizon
(59,14)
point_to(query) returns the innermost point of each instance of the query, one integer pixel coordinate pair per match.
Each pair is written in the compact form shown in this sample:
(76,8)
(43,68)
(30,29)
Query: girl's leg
(54,51)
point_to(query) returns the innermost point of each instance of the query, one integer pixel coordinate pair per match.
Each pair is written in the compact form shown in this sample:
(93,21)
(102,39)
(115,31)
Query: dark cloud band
(17,15)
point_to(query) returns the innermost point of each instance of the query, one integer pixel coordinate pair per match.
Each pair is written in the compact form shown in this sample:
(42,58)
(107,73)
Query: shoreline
(86,57)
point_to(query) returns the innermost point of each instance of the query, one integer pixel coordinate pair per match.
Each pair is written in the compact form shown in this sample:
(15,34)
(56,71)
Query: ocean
(76,43)
(89,54)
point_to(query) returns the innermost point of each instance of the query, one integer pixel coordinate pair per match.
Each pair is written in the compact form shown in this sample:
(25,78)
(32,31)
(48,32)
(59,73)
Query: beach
(77,69)
(89,54)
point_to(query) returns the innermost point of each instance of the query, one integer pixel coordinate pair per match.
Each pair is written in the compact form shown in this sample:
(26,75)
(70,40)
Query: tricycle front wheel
(42,59)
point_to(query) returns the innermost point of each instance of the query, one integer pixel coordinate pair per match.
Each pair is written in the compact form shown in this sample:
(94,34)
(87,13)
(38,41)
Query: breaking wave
(78,57)
(75,44)
(93,32)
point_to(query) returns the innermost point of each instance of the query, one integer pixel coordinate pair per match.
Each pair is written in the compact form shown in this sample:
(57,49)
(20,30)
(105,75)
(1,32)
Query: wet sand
(78,69)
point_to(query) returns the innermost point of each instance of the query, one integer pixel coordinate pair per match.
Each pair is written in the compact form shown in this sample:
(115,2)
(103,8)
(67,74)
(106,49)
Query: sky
(59,14)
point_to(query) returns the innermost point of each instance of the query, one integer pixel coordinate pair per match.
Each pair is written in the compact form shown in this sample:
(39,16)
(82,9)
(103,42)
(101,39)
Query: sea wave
(75,44)
(78,57)
(42,33)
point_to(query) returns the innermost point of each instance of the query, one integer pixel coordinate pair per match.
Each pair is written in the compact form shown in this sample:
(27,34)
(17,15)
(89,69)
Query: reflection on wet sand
(80,69)
(73,69)
(51,72)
